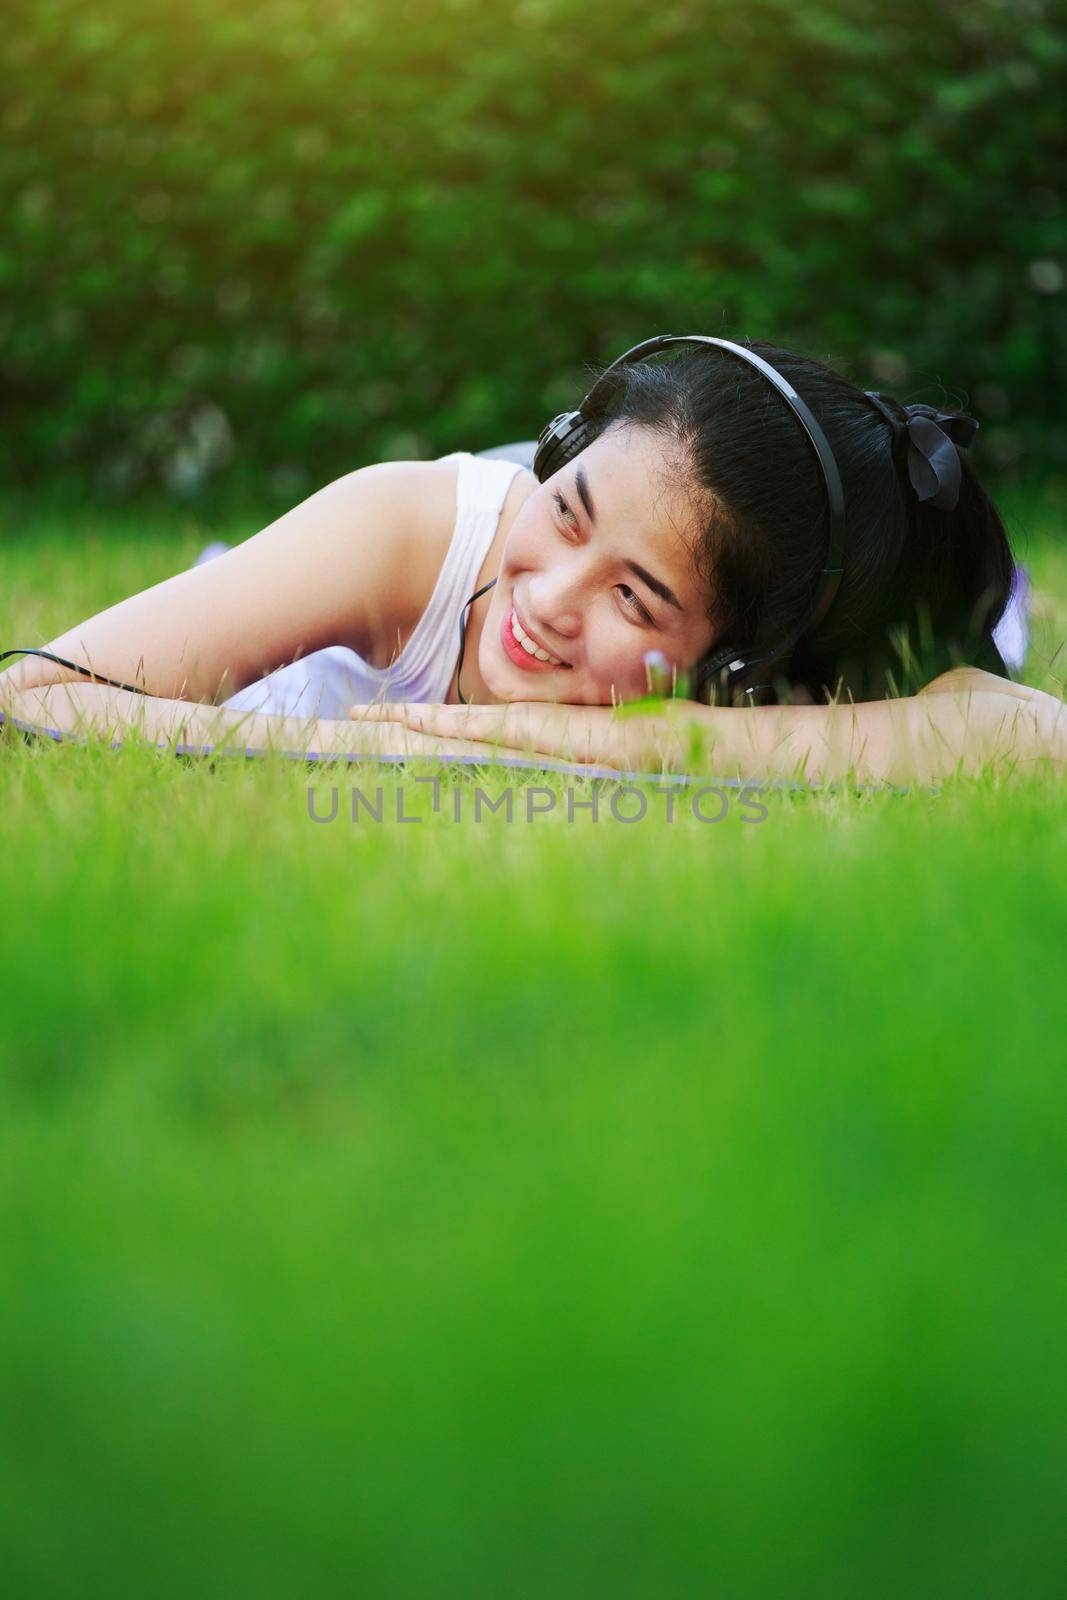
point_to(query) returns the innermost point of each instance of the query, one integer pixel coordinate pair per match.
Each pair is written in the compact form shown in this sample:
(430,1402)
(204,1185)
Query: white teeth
(528,644)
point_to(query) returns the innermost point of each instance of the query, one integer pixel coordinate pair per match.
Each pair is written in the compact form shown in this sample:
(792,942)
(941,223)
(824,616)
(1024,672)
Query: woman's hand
(589,735)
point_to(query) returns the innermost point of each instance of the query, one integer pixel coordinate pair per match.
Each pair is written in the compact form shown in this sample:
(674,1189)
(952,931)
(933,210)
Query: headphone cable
(463,636)
(47,655)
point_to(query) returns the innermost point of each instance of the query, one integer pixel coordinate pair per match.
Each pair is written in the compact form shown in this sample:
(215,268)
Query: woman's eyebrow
(655,585)
(581,483)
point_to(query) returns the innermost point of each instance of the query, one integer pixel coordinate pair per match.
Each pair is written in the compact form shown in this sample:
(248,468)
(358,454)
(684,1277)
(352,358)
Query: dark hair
(922,589)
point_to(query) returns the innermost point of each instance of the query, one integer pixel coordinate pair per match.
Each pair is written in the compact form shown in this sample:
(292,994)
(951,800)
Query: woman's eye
(565,511)
(630,600)
(634,603)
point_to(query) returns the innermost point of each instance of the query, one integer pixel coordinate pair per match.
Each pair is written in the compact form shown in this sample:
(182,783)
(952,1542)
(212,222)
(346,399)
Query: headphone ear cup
(712,665)
(728,668)
(561,439)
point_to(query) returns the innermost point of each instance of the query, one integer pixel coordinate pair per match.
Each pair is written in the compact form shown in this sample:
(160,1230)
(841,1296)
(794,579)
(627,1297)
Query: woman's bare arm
(924,738)
(921,738)
(334,570)
(82,710)
(964,678)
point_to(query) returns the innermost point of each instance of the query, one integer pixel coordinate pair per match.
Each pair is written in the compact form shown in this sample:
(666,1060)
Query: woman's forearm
(81,709)
(924,738)
(920,738)
(88,708)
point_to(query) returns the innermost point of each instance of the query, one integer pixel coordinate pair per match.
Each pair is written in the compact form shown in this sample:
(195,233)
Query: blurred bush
(285,237)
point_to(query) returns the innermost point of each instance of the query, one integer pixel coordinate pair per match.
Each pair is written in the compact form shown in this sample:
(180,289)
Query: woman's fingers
(590,734)
(514,731)
(382,711)
(531,726)
(427,744)
(469,722)
(395,739)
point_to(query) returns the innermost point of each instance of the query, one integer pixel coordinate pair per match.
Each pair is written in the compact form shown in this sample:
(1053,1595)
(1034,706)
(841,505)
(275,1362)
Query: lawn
(539,1208)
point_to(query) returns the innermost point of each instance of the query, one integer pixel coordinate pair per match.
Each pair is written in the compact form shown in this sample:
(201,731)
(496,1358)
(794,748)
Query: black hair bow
(934,440)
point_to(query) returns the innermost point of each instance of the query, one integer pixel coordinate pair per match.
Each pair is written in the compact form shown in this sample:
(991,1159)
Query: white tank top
(328,682)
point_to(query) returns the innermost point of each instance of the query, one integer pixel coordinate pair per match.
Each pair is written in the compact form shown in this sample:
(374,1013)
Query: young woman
(694,520)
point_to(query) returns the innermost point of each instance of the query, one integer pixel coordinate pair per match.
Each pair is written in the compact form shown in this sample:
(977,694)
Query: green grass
(532,1209)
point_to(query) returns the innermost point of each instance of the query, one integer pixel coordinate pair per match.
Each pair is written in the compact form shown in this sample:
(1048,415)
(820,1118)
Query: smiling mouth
(524,651)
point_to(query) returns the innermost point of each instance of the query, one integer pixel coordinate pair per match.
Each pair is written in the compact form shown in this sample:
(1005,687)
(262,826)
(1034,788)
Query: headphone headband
(568,434)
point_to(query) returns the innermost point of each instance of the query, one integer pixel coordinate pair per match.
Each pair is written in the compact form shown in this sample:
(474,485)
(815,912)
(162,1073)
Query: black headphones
(567,435)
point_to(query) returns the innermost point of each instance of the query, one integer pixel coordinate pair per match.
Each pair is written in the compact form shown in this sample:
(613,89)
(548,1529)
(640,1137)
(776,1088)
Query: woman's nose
(555,602)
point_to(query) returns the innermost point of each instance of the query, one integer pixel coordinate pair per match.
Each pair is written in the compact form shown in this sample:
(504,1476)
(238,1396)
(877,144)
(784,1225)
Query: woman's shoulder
(405,548)
(431,491)
(520,489)
(434,487)
(963,680)
(424,498)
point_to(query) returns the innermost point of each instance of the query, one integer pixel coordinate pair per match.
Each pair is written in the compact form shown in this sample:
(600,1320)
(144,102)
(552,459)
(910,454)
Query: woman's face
(596,571)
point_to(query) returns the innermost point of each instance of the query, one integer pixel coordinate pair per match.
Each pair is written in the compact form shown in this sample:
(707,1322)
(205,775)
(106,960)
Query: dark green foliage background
(280,238)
